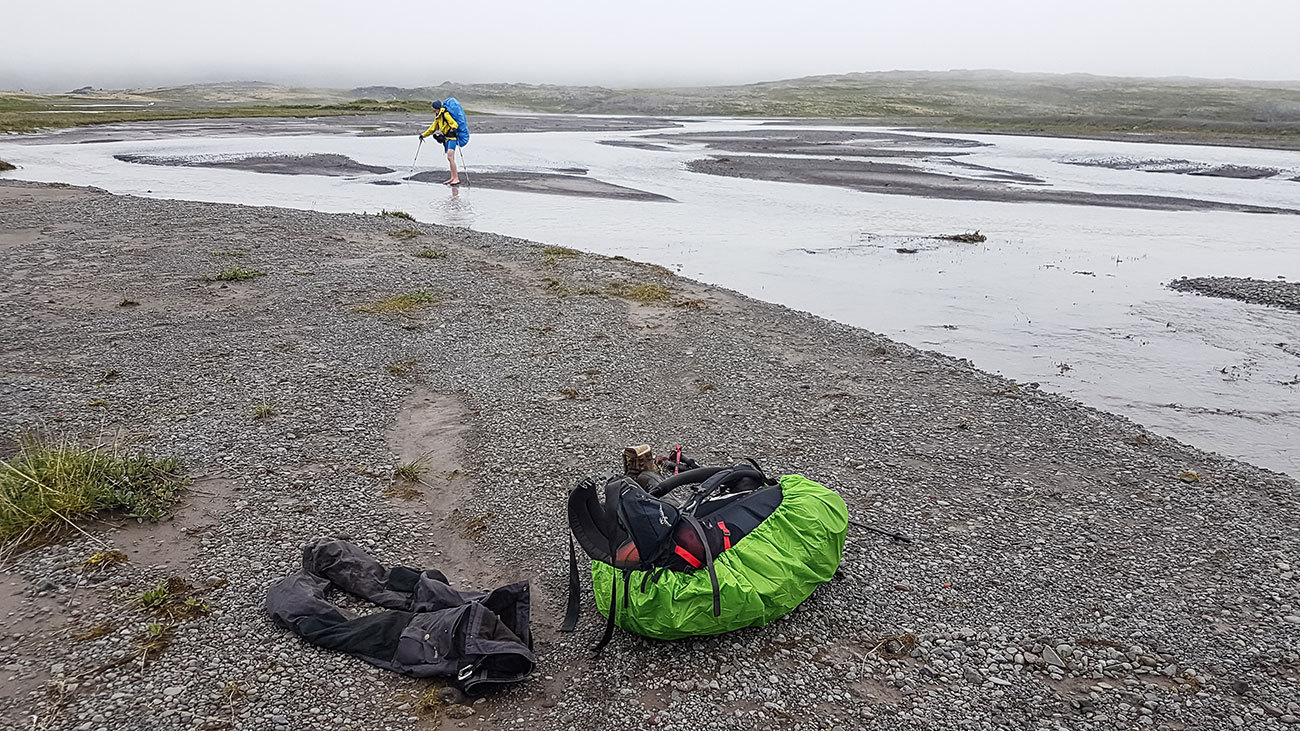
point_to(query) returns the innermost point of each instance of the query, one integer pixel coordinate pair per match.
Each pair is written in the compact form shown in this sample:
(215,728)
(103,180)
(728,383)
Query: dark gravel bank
(1256,291)
(1069,569)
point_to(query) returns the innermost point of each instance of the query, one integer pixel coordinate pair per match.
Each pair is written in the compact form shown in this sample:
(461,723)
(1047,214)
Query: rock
(459,711)
(450,695)
(1051,658)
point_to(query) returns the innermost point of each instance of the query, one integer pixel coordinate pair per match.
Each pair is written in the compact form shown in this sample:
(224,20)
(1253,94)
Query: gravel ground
(1069,570)
(1256,291)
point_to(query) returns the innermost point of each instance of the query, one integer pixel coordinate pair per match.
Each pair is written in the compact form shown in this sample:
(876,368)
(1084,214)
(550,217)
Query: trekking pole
(417,157)
(891,534)
(462,164)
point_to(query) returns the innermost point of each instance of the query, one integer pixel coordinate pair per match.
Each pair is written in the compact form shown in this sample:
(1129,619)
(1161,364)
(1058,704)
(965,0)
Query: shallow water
(1071,297)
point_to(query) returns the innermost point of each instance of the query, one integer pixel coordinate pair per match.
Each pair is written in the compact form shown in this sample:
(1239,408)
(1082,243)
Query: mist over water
(1070,297)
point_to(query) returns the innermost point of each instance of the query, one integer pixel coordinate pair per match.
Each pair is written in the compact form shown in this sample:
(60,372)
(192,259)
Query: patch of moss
(643,293)
(399,302)
(238,274)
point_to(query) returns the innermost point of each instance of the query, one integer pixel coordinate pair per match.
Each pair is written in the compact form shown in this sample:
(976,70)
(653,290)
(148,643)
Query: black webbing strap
(708,562)
(574,609)
(728,476)
(612,499)
(613,606)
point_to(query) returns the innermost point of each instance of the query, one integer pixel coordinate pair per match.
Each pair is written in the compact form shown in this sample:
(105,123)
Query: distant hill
(1193,110)
(243,92)
(912,94)
(1214,111)
(888,94)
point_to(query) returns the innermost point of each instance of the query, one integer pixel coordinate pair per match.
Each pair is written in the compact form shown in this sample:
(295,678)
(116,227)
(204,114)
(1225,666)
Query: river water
(1071,297)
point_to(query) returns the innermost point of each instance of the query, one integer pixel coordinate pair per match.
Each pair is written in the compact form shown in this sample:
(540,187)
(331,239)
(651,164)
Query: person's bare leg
(451,160)
(448,180)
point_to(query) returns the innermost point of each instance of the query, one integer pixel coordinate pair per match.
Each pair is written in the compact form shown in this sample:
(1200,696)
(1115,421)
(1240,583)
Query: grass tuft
(430,254)
(50,484)
(560,289)
(95,631)
(477,526)
(402,367)
(263,411)
(553,254)
(102,560)
(155,638)
(396,214)
(412,471)
(560,252)
(400,302)
(429,704)
(237,274)
(404,234)
(645,294)
(154,597)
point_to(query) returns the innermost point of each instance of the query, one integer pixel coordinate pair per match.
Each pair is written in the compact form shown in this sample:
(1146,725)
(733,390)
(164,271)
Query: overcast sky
(58,45)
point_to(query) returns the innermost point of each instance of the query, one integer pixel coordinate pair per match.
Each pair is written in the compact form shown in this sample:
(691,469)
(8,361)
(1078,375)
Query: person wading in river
(451,129)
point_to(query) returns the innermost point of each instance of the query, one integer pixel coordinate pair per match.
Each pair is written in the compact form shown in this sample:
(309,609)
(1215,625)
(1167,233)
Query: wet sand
(547,183)
(633,144)
(899,179)
(868,160)
(319,164)
(1182,167)
(868,143)
(930,125)
(563,181)
(877,162)
(367,125)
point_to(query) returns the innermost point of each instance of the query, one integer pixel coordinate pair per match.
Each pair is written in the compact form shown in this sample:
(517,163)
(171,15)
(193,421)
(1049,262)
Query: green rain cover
(766,574)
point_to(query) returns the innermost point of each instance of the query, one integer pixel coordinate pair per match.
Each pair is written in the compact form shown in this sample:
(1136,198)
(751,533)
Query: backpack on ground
(740,549)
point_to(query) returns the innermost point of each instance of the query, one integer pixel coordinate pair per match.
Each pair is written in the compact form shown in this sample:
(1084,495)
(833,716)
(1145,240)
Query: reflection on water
(453,208)
(1071,297)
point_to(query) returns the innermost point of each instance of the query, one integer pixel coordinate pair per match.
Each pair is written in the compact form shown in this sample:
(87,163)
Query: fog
(141,43)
